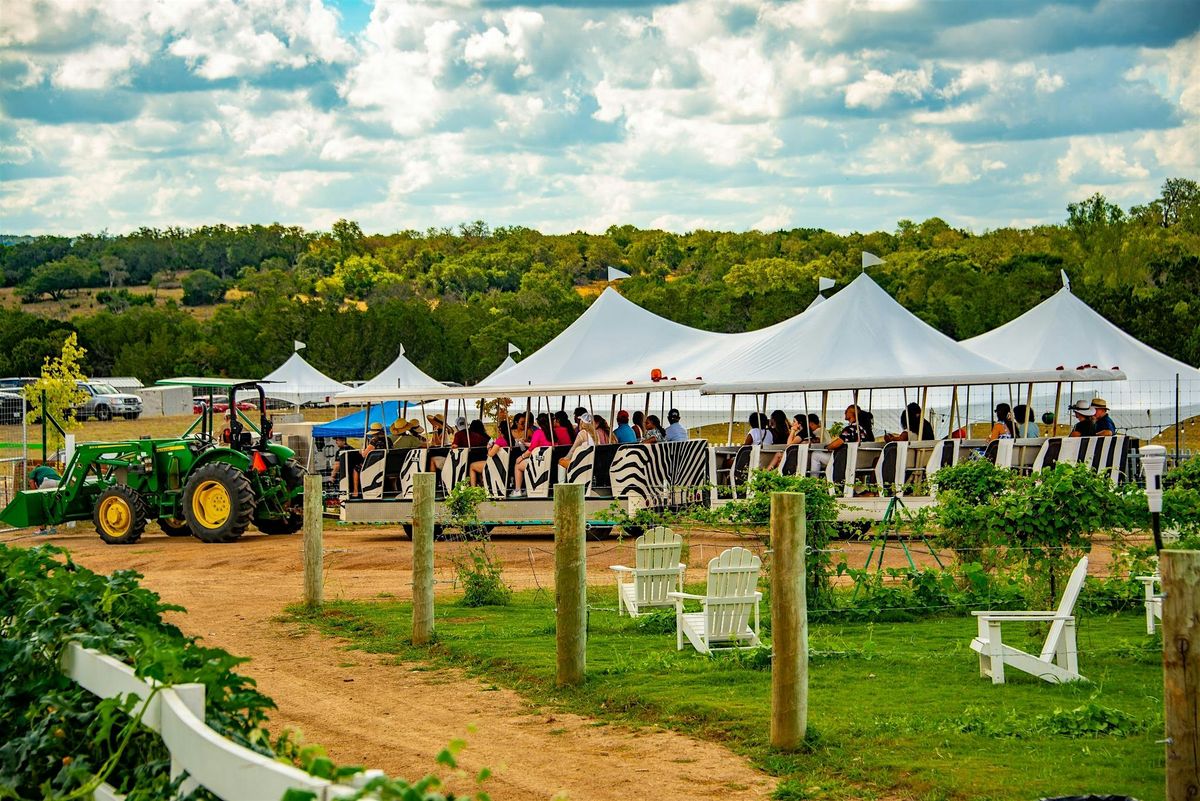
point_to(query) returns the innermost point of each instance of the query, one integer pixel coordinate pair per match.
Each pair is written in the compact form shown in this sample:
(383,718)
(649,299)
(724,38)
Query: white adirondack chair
(724,622)
(1153,600)
(657,571)
(1057,663)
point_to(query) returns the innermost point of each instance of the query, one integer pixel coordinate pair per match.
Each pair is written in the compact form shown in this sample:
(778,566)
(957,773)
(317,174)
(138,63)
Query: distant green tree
(57,278)
(202,288)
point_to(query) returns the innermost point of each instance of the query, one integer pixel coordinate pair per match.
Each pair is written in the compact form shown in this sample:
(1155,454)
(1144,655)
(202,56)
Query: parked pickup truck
(105,403)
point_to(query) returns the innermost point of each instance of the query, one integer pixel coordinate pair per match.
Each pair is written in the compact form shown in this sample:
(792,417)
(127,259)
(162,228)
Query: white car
(104,402)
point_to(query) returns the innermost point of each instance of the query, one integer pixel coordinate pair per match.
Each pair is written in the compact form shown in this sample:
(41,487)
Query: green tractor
(207,484)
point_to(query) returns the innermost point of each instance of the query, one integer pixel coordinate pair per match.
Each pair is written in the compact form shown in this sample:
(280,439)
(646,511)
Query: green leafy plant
(58,741)
(482,577)
(57,393)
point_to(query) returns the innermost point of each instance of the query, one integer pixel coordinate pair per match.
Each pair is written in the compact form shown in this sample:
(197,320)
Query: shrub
(482,578)
(202,288)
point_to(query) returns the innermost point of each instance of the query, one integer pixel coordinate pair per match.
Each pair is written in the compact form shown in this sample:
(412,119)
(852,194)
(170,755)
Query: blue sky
(721,114)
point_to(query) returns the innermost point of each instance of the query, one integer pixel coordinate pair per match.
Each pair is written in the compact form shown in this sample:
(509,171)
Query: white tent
(296,381)
(401,374)
(862,339)
(1063,330)
(504,365)
(613,342)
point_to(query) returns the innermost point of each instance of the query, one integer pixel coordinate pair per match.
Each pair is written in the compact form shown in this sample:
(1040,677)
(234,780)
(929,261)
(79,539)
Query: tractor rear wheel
(119,515)
(218,502)
(174,527)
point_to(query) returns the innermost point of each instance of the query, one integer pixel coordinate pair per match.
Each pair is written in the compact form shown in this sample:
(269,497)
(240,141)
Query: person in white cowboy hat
(1105,427)
(406,434)
(1085,425)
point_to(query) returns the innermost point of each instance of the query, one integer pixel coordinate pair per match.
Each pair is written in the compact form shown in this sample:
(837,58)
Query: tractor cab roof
(212,383)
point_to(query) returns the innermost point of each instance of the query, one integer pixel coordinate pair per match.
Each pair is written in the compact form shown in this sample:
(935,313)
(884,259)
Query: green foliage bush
(202,288)
(482,577)
(58,741)
(1185,476)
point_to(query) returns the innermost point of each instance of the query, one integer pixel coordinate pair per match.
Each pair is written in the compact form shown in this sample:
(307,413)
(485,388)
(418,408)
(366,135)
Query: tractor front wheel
(218,502)
(119,515)
(174,527)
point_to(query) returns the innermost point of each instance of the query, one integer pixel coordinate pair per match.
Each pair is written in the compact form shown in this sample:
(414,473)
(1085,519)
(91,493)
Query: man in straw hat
(1085,425)
(406,434)
(1105,427)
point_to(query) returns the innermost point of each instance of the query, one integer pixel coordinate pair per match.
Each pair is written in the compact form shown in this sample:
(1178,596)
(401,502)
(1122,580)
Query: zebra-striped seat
(370,476)
(724,620)
(495,473)
(581,467)
(538,470)
(660,474)
(455,468)
(794,461)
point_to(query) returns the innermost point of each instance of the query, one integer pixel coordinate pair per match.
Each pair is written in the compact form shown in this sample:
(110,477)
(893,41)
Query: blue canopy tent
(353,425)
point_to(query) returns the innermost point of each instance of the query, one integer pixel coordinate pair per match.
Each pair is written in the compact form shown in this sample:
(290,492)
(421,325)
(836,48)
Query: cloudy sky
(725,114)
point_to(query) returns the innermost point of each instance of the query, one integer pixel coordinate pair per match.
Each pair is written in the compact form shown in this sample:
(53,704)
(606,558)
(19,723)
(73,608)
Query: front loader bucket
(28,508)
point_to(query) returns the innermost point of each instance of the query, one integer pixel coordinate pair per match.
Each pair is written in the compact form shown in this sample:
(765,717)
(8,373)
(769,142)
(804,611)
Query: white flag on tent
(1066,281)
(870,259)
(825,283)
(298,345)
(616,275)
(513,349)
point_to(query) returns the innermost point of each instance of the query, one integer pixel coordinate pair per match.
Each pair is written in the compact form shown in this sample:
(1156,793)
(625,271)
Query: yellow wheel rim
(211,504)
(115,516)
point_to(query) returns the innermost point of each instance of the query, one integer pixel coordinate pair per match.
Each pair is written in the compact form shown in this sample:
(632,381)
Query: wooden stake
(789,622)
(422,573)
(1181,671)
(314,555)
(570,584)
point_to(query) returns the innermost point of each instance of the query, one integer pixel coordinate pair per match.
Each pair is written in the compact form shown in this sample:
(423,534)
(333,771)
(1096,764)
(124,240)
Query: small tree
(202,288)
(59,385)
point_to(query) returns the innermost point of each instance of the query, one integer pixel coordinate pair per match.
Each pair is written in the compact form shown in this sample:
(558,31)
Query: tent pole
(920,424)
(732,413)
(824,408)
(445,421)
(953,410)
(612,415)
(1057,399)
(967,412)
(1177,419)
(647,412)
(1028,405)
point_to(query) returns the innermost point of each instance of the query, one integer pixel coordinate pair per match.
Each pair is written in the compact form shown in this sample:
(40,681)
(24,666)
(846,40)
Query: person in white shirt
(759,434)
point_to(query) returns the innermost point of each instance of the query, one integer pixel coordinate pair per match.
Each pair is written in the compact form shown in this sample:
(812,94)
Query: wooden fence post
(1181,671)
(422,571)
(789,622)
(313,554)
(570,584)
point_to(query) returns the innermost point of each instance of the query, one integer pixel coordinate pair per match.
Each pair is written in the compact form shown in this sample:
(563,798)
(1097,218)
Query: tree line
(455,297)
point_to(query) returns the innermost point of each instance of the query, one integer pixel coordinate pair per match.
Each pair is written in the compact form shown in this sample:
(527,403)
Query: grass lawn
(897,710)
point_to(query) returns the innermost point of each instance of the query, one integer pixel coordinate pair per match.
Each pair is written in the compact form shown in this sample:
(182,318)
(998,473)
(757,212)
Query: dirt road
(366,709)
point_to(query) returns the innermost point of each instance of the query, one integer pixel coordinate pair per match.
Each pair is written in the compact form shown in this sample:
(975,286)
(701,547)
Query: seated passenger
(501,441)
(858,428)
(654,431)
(477,435)
(1003,428)
(404,434)
(564,432)
(817,434)
(779,427)
(675,431)
(624,432)
(519,429)
(913,426)
(584,439)
(639,425)
(797,434)
(604,434)
(1105,427)
(537,440)
(437,431)
(461,438)
(340,446)
(758,434)
(1025,421)
(1085,424)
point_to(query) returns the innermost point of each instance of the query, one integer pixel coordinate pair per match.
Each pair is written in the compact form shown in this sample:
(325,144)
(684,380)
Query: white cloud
(722,113)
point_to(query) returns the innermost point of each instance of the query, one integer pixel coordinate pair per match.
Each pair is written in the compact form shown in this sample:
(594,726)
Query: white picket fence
(228,770)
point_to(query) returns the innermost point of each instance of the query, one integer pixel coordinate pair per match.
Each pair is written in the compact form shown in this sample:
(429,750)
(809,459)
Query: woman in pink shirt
(501,441)
(538,440)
